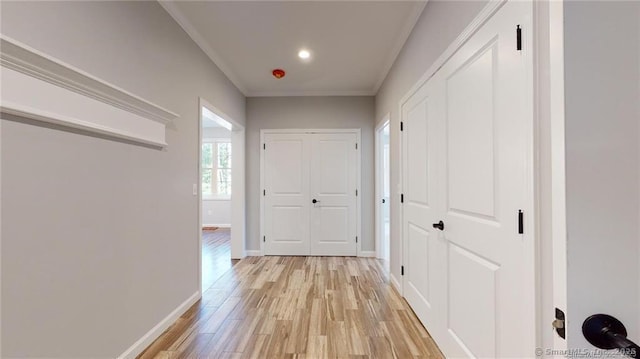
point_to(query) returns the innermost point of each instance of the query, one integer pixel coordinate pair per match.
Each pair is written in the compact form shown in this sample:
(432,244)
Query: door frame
(379,182)
(546,154)
(355,131)
(237,186)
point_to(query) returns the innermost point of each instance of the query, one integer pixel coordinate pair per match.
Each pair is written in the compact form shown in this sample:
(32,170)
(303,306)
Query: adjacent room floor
(294,307)
(216,255)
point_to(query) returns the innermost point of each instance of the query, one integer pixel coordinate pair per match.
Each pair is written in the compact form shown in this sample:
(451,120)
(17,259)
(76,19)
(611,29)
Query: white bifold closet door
(310,193)
(286,181)
(467,162)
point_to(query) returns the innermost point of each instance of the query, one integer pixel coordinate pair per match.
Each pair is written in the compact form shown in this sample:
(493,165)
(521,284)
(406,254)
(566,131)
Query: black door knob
(439,225)
(607,332)
(314,201)
(383,200)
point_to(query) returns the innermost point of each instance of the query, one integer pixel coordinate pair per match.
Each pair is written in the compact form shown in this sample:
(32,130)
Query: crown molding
(177,15)
(309,93)
(42,88)
(402,39)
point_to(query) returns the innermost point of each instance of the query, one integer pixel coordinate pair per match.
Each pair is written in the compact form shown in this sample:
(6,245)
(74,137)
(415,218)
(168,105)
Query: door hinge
(401,270)
(518,38)
(356,146)
(559,323)
(520,222)
(356,239)
(402,198)
(401,126)
(264,192)
(264,146)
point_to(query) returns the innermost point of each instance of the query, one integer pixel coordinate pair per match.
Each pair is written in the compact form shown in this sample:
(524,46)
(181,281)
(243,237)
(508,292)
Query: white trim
(261,239)
(31,113)
(216,225)
(386,120)
(0,230)
(42,88)
(253,253)
(141,344)
(358,133)
(402,39)
(395,283)
(359,189)
(238,204)
(531,237)
(310,130)
(367,254)
(216,139)
(558,177)
(216,199)
(178,16)
(311,93)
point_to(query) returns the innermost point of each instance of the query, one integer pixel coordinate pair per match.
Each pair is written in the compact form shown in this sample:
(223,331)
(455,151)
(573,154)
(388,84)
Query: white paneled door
(468,195)
(286,176)
(310,193)
(333,185)
(422,249)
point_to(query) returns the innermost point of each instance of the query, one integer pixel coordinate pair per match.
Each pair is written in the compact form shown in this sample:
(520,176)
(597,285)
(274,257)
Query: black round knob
(383,200)
(603,331)
(439,225)
(314,201)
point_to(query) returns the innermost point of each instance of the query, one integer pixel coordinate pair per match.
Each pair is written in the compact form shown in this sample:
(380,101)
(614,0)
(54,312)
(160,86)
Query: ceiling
(352,43)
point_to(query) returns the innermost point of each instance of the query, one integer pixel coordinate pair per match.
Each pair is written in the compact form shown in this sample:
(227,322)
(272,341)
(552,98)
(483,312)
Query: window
(216,168)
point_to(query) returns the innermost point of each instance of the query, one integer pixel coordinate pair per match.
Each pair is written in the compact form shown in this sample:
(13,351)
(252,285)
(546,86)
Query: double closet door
(467,216)
(310,188)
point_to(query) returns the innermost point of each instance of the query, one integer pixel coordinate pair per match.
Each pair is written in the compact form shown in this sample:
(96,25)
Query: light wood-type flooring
(216,255)
(298,307)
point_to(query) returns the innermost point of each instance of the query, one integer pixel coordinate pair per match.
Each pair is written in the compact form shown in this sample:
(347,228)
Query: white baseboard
(217,225)
(156,331)
(253,253)
(367,254)
(395,283)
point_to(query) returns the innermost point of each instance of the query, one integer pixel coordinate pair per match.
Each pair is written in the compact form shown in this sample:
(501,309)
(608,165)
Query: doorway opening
(221,194)
(383,188)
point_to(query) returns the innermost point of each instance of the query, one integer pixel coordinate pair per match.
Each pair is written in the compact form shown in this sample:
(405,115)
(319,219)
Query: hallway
(303,307)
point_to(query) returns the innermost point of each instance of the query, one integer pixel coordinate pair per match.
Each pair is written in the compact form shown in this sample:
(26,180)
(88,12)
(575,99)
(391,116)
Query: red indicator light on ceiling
(278,73)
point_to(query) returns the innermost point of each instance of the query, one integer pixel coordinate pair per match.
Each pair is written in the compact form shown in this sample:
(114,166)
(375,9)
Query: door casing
(379,186)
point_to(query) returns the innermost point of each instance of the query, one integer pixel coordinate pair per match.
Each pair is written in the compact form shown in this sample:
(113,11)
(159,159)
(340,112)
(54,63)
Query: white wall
(440,23)
(99,237)
(303,113)
(216,212)
(602,41)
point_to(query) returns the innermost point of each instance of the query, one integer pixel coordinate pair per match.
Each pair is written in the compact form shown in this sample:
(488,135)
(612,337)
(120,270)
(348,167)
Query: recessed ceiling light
(304,54)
